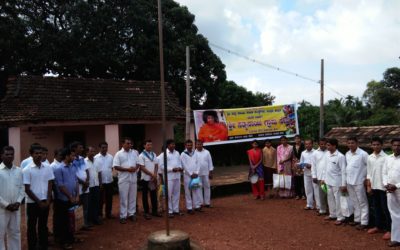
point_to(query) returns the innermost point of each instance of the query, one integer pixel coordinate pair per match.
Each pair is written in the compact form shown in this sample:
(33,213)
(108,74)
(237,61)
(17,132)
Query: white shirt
(375,165)
(26,162)
(11,185)
(391,171)
(189,163)
(318,169)
(334,174)
(94,171)
(105,162)
(126,159)
(307,157)
(173,161)
(55,164)
(149,160)
(82,175)
(38,178)
(204,161)
(356,168)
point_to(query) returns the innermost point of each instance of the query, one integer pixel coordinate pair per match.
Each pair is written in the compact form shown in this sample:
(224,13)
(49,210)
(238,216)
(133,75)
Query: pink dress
(284,153)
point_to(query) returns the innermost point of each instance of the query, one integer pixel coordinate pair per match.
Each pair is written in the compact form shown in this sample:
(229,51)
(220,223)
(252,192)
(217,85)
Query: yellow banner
(220,126)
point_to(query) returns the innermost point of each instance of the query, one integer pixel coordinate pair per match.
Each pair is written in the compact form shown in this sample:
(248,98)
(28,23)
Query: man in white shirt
(57,162)
(29,160)
(125,162)
(307,162)
(356,173)
(191,171)
(105,162)
(333,178)
(391,180)
(148,164)
(174,169)
(317,172)
(206,168)
(11,195)
(38,179)
(82,172)
(375,187)
(94,186)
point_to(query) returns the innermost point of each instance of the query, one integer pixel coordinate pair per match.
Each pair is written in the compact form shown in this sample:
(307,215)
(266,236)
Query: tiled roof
(364,134)
(41,99)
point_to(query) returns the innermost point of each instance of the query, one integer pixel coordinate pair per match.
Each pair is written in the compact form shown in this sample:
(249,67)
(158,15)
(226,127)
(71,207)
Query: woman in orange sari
(212,130)
(256,168)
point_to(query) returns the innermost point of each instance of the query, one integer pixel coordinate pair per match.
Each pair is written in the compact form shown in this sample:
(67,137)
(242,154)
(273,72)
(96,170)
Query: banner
(219,126)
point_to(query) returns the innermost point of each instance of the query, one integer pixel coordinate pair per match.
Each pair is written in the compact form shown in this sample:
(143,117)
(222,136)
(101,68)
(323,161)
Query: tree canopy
(113,39)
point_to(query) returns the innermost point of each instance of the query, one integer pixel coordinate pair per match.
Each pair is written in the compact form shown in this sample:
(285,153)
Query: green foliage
(308,116)
(111,40)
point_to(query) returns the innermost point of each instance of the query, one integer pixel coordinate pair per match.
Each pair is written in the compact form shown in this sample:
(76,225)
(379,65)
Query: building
(56,111)
(364,134)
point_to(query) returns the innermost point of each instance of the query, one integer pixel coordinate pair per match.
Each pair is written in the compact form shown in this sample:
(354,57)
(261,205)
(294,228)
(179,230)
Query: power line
(273,67)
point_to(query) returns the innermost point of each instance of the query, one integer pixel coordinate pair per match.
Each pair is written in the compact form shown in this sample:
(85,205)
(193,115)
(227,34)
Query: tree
(110,39)
(308,117)
(391,78)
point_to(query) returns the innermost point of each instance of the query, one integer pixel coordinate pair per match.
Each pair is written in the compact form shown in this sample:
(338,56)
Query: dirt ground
(237,222)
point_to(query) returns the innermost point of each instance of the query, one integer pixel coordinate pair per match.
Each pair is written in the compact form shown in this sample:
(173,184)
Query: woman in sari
(298,178)
(284,158)
(256,168)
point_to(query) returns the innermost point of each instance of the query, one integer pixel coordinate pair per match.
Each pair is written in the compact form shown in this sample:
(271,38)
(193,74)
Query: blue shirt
(66,176)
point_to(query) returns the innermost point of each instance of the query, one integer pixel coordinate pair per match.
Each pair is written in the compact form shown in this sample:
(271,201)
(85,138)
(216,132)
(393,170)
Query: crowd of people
(84,177)
(344,188)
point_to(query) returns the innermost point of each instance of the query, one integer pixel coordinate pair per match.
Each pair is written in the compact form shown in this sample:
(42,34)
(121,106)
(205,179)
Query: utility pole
(187,128)
(321,105)
(160,44)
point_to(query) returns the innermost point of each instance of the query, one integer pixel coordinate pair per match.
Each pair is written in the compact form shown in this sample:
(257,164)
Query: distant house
(364,134)
(56,111)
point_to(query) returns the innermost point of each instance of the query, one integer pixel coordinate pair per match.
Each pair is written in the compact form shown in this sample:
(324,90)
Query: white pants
(174,192)
(127,198)
(346,205)
(10,228)
(359,199)
(320,197)
(205,182)
(308,188)
(334,203)
(192,197)
(393,200)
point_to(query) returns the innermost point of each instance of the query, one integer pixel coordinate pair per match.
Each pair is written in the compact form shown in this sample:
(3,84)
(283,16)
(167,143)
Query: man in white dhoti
(206,166)
(11,195)
(191,171)
(391,180)
(334,178)
(356,174)
(174,169)
(306,163)
(125,162)
(317,171)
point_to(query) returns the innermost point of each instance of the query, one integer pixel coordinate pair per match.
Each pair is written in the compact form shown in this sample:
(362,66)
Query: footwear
(156,214)
(147,216)
(387,236)
(86,228)
(338,223)
(208,206)
(354,223)
(190,211)
(307,208)
(361,227)
(171,216)
(199,210)
(179,213)
(262,198)
(329,218)
(132,218)
(373,230)
(110,216)
(78,240)
(297,198)
(122,220)
(394,244)
(256,198)
(303,198)
(321,214)
(66,246)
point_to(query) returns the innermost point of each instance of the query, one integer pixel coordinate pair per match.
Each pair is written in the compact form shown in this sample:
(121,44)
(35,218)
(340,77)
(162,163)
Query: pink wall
(14,139)
(112,137)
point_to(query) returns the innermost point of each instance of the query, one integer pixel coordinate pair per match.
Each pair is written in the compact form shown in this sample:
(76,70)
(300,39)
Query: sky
(358,41)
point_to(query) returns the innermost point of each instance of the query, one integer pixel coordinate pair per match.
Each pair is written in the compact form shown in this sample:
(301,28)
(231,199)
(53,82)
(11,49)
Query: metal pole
(187,128)
(321,105)
(160,44)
